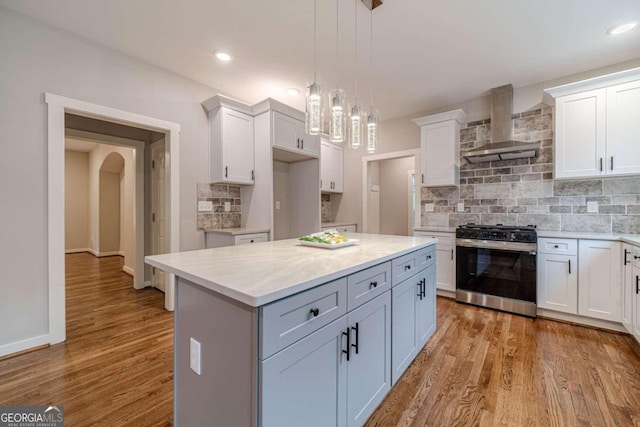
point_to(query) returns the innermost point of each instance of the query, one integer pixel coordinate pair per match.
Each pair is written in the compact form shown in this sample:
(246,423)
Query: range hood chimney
(502,147)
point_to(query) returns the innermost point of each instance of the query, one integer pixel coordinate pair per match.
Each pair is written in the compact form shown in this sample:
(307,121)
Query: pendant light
(314,115)
(338,110)
(355,112)
(372,118)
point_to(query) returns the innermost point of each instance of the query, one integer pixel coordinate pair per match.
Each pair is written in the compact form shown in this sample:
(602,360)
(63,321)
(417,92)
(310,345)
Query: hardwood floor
(116,367)
(487,368)
(481,368)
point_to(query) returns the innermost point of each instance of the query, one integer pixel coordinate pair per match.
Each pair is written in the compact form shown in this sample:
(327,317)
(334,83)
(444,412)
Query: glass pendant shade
(337,129)
(356,117)
(372,131)
(314,116)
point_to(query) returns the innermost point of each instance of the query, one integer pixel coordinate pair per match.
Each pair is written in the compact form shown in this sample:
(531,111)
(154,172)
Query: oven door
(503,269)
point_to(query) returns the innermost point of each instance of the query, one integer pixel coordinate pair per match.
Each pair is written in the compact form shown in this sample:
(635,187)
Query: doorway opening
(69,118)
(390,199)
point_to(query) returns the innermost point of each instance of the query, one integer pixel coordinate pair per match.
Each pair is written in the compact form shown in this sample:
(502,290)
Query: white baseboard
(93,252)
(76,251)
(23,345)
(581,320)
(130,271)
(110,253)
(446,293)
(121,253)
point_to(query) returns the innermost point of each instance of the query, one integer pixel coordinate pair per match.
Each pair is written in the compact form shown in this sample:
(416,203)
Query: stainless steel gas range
(496,267)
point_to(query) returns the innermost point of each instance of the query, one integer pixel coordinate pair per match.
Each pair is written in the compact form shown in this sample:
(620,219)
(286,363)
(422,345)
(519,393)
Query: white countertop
(236,231)
(633,239)
(337,224)
(435,229)
(261,273)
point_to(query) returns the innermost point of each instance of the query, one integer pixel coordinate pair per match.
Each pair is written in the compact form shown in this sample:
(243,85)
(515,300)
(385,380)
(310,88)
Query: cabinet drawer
(347,229)
(635,257)
(288,320)
(443,238)
(425,257)
(243,239)
(368,284)
(558,246)
(403,267)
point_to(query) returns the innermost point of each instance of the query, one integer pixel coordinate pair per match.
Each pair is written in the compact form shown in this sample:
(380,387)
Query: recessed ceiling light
(222,55)
(293,91)
(622,28)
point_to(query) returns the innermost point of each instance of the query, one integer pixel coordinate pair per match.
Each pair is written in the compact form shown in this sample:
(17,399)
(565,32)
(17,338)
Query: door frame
(411,185)
(57,106)
(386,156)
(156,147)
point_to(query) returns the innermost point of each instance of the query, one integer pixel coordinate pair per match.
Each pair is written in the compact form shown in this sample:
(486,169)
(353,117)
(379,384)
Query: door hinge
(153,164)
(253,175)
(153,271)
(153,217)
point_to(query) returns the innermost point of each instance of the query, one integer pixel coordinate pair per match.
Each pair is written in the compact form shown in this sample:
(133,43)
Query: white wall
(394,195)
(37,59)
(109,212)
(402,134)
(76,206)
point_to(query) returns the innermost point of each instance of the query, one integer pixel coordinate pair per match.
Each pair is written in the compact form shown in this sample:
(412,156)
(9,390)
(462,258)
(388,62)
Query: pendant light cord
(355,66)
(337,45)
(371,61)
(315,42)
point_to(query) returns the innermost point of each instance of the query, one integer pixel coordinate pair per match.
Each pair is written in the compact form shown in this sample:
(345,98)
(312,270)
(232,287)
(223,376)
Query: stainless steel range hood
(502,147)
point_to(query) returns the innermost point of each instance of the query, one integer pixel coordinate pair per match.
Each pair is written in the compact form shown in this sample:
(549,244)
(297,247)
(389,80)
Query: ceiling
(427,54)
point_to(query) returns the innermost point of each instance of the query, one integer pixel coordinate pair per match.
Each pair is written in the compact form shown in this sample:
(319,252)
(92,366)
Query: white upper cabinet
(289,134)
(331,167)
(440,148)
(597,126)
(231,141)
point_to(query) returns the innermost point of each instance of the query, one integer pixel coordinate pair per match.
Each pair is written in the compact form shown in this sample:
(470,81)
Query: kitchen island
(279,334)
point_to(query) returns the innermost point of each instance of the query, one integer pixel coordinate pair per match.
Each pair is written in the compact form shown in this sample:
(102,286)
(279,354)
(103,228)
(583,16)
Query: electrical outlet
(428,207)
(592,207)
(205,206)
(195,362)
(461,207)
(227,206)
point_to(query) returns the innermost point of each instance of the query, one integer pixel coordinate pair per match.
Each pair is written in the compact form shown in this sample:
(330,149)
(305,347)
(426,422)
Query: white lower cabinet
(216,240)
(336,376)
(600,290)
(628,286)
(413,318)
(558,282)
(635,292)
(445,259)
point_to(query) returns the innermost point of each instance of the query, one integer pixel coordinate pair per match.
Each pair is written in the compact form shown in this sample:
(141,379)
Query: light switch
(592,207)
(194,356)
(461,207)
(428,207)
(277,204)
(227,206)
(205,206)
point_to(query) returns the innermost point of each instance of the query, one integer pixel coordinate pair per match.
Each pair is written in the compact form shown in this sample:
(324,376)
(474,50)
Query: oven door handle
(531,248)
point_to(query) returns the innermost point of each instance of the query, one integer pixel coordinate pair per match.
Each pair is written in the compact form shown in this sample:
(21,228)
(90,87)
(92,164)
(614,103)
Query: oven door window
(508,274)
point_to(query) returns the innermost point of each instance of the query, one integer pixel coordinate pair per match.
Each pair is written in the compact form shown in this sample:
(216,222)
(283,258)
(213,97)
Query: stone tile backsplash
(218,218)
(523,191)
(325,210)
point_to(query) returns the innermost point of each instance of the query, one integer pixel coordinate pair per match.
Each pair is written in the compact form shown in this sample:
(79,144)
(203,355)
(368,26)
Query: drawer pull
(407,267)
(314,312)
(569,266)
(251,240)
(626,252)
(373,284)
(348,350)
(424,288)
(556,246)
(637,284)
(428,256)
(451,253)
(357,329)
(419,289)
(636,257)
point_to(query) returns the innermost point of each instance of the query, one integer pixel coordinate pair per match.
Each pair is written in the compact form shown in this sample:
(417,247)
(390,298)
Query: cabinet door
(337,168)
(285,131)
(580,134)
(326,183)
(635,304)
(237,146)
(309,144)
(403,333)
(426,308)
(599,278)
(628,286)
(305,384)
(440,159)
(369,370)
(446,267)
(623,129)
(558,282)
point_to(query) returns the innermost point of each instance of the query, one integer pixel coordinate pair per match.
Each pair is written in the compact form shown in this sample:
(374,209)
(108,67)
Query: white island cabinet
(280,334)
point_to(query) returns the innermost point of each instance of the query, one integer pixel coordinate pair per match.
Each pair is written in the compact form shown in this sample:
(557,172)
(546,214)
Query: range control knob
(529,237)
(519,236)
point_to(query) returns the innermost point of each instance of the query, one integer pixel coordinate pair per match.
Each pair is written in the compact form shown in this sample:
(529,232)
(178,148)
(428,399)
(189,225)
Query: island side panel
(225,393)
